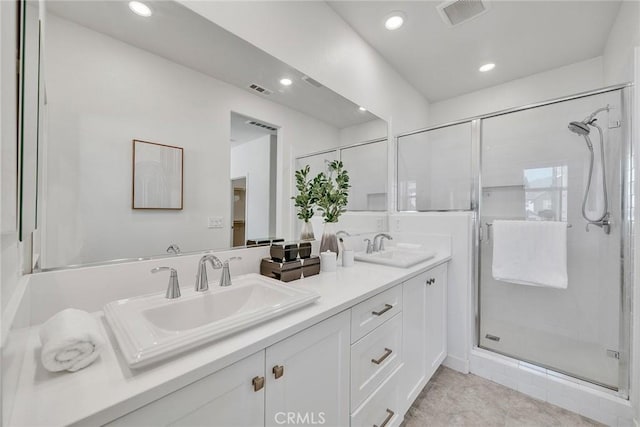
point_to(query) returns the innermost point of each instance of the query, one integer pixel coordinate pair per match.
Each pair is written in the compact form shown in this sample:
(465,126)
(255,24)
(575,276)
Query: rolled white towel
(71,340)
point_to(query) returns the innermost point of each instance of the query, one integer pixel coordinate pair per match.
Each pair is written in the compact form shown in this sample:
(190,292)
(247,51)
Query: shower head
(579,128)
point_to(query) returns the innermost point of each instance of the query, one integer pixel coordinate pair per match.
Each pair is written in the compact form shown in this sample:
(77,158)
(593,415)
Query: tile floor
(455,399)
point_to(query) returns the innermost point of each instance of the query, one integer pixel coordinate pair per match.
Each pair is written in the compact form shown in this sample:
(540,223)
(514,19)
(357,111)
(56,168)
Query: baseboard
(457,364)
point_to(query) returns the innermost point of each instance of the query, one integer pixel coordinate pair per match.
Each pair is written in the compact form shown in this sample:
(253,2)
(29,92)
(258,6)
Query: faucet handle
(369,246)
(173,290)
(233,258)
(225,277)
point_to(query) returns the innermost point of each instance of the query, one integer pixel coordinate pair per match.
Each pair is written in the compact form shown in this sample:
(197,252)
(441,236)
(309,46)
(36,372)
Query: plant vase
(307,231)
(329,240)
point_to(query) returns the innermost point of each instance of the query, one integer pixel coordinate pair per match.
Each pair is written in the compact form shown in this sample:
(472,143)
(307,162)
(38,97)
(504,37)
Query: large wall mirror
(176,79)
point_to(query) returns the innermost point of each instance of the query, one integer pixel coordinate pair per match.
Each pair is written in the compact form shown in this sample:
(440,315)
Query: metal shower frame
(627,218)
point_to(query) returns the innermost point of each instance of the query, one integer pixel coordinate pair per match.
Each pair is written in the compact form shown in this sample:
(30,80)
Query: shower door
(534,168)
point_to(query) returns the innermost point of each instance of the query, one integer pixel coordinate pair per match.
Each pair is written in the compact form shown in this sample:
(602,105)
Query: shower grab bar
(489,225)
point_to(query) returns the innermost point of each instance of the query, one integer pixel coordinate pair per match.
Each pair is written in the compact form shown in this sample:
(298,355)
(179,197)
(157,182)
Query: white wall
(619,51)
(574,78)
(460,309)
(252,159)
(311,37)
(368,131)
(138,95)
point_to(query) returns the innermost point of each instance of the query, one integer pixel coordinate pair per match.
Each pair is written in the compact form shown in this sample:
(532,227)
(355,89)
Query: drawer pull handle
(386,420)
(258,383)
(386,308)
(278,371)
(387,353)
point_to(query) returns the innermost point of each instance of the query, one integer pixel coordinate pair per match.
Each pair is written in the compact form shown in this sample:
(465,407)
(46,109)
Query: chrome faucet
(378,241)
(225,277)
(202,283)
(173,290)
(369,249)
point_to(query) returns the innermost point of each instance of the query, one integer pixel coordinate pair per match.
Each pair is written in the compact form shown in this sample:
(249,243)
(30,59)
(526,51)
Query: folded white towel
(530,253)
(71,340)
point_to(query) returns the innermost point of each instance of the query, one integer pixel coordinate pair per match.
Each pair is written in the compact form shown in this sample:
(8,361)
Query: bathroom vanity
(358,356)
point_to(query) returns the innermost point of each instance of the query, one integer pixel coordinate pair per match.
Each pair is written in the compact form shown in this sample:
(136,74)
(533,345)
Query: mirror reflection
(178,80)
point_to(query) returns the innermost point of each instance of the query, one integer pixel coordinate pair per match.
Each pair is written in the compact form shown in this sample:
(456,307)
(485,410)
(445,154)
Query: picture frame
(157,180)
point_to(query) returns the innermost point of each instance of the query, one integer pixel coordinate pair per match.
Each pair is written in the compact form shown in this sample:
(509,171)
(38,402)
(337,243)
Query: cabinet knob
(258,383)
(390,415)
(431,281)
(278,371)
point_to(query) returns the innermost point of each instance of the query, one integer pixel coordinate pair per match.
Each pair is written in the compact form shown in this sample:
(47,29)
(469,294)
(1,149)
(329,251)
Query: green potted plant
(305,201)
(331,192)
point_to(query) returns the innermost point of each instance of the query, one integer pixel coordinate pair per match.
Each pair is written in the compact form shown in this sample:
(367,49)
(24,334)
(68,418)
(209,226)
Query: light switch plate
(379,224)
(214,222)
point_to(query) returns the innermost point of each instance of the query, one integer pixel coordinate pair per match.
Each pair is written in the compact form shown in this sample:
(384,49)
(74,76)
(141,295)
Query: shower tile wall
(569,330)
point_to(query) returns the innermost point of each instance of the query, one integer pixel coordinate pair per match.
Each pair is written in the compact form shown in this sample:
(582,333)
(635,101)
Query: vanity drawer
(370,314)
(374,357)
(382,408)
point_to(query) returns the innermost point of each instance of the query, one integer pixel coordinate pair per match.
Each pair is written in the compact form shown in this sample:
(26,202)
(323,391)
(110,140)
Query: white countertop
(109,389)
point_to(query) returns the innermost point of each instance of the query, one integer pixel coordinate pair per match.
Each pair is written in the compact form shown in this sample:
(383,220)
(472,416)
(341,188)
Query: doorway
(238,211)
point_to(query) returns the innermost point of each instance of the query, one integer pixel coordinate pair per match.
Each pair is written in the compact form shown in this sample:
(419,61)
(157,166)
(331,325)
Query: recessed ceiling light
(362,109)
(285,82)
(487,67)
(394,21)
(140,8)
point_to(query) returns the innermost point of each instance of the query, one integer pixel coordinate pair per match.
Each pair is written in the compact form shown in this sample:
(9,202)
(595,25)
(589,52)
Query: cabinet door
(225,398)
(424,329)
(436,318)
(308,376)
(414,344)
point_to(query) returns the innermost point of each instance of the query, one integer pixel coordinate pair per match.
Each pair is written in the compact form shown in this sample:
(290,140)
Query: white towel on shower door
(530,253)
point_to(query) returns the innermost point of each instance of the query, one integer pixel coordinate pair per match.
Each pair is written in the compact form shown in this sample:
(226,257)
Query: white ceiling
(520,37)
(180,35)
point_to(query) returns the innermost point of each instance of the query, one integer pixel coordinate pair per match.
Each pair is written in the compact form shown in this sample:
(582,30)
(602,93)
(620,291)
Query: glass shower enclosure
(534,168)
(526,164)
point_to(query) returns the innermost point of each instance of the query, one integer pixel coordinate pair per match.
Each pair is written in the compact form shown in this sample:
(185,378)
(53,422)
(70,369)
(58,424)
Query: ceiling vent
(458,11)
(312,82)
(261,125)
(261,90)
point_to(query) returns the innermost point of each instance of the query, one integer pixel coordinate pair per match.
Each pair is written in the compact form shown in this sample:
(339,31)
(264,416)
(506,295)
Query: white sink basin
(150,328)
(396,257)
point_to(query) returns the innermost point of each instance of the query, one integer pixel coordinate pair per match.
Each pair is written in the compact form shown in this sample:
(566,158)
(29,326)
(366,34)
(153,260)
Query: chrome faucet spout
(369,246)
(202,282)
(378,241)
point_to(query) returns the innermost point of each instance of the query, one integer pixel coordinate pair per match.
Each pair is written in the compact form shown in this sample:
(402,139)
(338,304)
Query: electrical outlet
(214,222)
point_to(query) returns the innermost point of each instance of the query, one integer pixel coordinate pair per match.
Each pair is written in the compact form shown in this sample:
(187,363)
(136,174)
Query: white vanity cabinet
(362,367)
(307,378)
(376,360)
(424,328)
(233,396)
